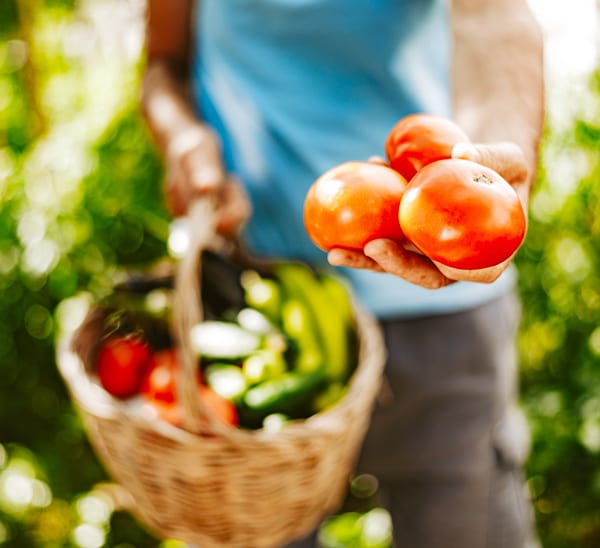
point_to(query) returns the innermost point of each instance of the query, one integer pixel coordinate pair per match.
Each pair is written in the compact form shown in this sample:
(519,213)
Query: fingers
(352,259)
(204,168)
(412,267)
(506,158)
(176,197)
(233,207)
(387,256)
(194,167)
(232,204)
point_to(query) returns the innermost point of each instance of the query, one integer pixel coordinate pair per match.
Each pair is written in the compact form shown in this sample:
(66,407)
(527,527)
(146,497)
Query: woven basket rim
(93,399)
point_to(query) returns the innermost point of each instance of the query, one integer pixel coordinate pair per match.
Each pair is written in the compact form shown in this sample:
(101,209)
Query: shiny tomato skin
(160,380)
(462,214)
(352,204)
(121,365)
(419,139)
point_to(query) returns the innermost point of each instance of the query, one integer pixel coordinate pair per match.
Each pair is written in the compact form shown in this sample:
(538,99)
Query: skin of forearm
(497,76)
(166,99)
(167,107)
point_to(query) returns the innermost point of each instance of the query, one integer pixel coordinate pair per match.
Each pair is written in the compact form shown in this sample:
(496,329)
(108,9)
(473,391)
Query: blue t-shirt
(295,87)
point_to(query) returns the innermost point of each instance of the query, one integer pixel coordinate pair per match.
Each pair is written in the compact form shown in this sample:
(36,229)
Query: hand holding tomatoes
(461,220)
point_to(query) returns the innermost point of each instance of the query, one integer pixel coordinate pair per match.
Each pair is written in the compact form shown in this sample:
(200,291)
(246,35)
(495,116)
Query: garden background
(81,201)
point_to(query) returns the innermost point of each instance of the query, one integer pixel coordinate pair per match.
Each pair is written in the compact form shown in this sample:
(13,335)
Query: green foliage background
(80,190)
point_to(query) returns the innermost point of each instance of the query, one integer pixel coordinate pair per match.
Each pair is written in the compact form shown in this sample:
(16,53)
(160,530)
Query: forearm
(497,74)
(191,149)
(167,107)
(166,98)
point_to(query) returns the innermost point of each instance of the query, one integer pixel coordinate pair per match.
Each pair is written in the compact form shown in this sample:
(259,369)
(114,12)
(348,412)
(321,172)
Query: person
(251,100)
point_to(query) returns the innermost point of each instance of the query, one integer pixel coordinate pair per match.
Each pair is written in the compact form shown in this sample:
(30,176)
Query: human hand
(194,167)
(405,261)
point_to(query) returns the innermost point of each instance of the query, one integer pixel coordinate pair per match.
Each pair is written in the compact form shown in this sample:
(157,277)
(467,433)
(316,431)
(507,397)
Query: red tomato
(160,379)
(419,139)
(159,387)
(462,214)
(352,204)
(121,365)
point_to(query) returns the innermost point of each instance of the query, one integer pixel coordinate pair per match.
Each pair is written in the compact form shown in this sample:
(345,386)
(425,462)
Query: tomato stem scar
(483,178)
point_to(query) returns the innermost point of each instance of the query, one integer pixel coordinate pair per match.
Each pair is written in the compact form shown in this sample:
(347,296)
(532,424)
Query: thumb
(506,158)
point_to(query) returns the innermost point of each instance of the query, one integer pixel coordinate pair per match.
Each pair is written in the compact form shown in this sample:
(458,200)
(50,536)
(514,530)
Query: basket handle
(187,311)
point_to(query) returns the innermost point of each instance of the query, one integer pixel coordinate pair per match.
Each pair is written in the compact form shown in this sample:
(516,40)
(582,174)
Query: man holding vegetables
(265,96)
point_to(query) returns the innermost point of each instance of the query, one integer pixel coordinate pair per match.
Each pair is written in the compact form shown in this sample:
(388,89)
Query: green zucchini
(284,394)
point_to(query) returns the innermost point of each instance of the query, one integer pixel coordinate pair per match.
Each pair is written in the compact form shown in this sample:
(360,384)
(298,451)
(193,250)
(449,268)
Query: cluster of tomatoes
(458,213)
(128,367)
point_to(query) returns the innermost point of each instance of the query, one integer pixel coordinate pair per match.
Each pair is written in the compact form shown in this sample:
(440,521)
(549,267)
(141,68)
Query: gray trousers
(447,441)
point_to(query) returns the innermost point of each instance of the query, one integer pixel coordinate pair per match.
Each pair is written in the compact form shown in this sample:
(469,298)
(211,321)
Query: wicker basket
(223,486)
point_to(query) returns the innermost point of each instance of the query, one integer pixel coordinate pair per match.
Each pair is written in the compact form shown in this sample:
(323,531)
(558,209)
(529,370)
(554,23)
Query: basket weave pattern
(226,487)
